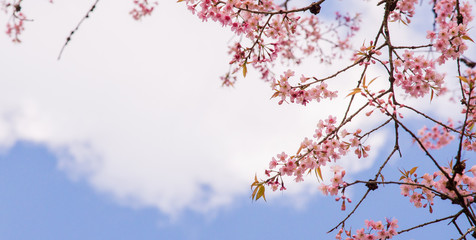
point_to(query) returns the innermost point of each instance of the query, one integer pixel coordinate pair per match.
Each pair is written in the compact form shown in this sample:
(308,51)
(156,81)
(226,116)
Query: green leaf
(245,70)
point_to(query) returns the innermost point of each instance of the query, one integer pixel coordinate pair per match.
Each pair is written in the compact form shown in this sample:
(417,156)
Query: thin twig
(68,39)
(352,212)
(413,47)
(471,229)
(282,11)
(401,183)
(427,223)
(430,118)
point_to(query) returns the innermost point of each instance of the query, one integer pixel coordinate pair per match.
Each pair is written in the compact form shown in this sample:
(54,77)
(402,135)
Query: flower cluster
(452,22)
(16,18)
(142,8)
(469,82)
(465,185)
(409,190)
(311,33)
(417,75)
(271,31)
(365,55)
(326,146)
(337,183)
(373,231)
(436,137)
(15,26)
(300,94)
(428,186)
(384,105)
(403,8)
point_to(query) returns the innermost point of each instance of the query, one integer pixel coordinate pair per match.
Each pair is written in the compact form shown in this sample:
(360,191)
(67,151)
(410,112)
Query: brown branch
(471,229)
(413,47)
(352,212)
(428,223)
(311,6)
(377,128)
(366,193)
(440,194)
(430,118)
(362,76)
(462,202)
(333,75)
(468,110)
(258,38)
(395,148)
(68,39)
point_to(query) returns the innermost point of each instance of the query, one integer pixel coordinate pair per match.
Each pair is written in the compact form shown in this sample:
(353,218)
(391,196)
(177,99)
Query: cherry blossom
(269,34)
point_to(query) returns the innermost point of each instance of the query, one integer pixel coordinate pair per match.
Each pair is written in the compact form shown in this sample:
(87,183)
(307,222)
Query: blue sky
(130,135)
(41,202)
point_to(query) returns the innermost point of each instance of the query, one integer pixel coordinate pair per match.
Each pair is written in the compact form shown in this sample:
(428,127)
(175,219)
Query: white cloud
(137,110)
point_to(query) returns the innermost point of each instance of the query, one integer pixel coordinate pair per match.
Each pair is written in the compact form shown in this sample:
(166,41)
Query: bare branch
(68,39)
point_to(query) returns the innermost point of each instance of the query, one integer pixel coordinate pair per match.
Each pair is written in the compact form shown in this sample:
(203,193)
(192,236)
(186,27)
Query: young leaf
(275,95)
(471,127)
(466,37)
(359,59)
(319,173)
(404,174)
(245,70)
(355,91)
(260,193)
(253,195)
(255,183)
(463,79)
(299,150)
(371,81)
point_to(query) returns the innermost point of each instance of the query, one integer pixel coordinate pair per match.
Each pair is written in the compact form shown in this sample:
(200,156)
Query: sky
(131,136)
